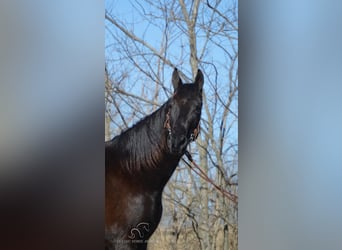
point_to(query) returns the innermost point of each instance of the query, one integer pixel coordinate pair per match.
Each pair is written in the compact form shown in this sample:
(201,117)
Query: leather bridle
(167,125)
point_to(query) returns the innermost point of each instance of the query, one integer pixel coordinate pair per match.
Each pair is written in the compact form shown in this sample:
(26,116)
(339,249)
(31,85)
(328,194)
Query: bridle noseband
(167,125)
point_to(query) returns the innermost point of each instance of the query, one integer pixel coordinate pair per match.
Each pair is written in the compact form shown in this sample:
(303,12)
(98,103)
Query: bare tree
(144,42)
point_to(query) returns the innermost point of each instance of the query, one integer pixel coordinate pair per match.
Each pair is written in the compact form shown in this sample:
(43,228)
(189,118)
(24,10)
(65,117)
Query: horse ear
(199,80)
(176,81)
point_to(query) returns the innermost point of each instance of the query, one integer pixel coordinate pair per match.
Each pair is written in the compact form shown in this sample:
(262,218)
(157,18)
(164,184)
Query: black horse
(141,160)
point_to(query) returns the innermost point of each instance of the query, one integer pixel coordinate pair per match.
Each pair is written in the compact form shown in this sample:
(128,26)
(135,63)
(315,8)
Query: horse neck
(146,145)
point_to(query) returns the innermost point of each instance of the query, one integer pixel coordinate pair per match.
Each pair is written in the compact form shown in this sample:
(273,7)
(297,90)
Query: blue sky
(153,35)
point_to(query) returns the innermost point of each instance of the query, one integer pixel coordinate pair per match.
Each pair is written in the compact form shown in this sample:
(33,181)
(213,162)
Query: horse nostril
(179,144)
(182,141)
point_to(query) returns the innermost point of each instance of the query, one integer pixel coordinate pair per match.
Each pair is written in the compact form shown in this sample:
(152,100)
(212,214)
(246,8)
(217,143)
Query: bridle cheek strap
(167,123)
(196,132)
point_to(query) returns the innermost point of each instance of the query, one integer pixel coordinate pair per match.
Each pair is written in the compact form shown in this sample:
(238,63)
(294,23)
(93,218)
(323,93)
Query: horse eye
(183,102)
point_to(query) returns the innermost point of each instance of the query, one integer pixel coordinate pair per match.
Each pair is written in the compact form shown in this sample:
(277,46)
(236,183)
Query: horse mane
(143,145)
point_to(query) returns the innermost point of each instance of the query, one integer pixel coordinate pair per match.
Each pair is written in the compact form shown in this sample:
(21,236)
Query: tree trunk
(107,106)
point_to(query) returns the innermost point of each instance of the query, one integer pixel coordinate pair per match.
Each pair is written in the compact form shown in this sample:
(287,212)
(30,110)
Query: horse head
(184,113)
